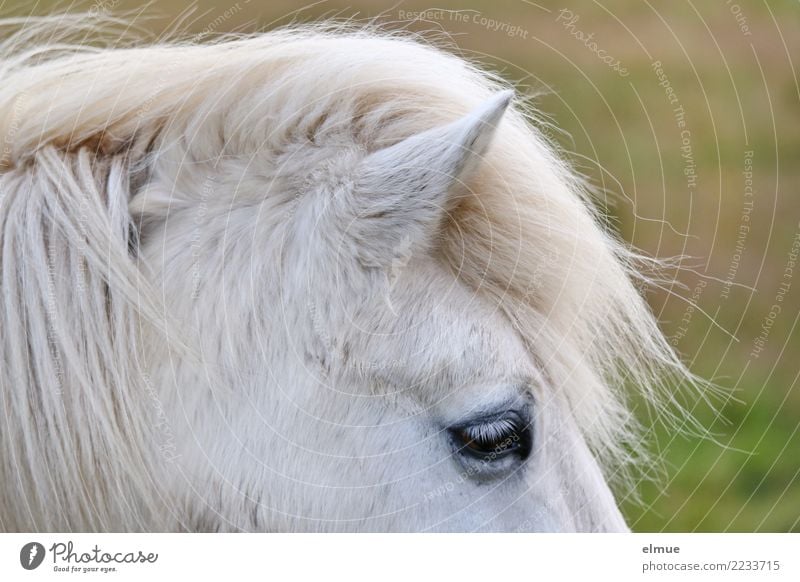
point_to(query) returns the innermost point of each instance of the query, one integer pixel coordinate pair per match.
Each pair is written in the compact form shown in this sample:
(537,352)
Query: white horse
(320,279)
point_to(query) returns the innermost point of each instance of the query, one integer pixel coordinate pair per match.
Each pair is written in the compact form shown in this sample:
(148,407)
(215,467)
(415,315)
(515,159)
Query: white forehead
(417,327)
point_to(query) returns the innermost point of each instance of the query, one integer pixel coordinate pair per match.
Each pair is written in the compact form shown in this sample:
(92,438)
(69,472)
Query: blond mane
(81,123)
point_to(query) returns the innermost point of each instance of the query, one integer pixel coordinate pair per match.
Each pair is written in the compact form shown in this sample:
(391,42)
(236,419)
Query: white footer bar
(406,557)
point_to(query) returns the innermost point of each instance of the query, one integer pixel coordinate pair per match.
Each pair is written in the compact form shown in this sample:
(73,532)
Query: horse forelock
(82,126)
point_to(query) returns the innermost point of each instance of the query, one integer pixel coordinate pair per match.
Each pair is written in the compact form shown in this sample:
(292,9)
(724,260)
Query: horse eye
(496,438)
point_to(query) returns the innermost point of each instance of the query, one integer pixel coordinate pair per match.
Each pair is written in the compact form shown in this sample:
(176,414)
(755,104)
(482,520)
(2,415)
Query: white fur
(234,298)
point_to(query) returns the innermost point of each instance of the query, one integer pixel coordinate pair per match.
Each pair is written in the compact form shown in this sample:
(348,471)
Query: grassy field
(687,118)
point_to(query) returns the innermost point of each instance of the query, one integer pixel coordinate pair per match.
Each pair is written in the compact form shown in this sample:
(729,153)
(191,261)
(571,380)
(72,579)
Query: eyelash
(493,439)
(487,433)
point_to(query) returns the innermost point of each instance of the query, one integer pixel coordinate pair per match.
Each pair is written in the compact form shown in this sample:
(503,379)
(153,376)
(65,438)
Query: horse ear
(403,192)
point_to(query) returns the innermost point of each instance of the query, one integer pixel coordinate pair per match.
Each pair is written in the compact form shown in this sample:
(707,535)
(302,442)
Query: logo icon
(31,555)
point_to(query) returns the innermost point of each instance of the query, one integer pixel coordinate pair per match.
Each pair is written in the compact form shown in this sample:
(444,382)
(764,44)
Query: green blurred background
(731,209)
